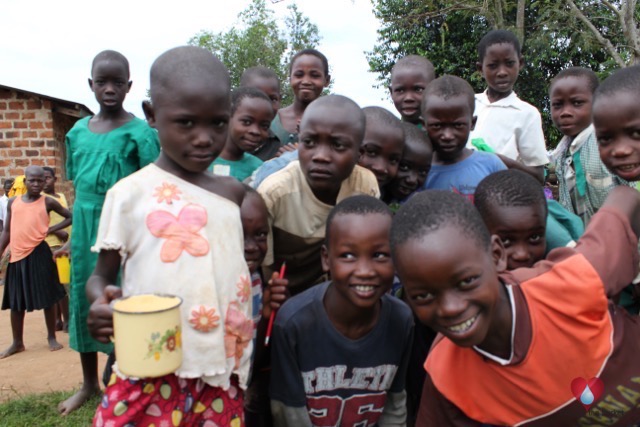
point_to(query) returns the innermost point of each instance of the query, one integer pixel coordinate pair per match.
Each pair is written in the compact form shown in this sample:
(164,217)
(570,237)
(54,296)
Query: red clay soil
(37,370)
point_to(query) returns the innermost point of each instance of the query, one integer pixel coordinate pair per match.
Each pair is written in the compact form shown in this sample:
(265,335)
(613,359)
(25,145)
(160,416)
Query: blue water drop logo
(587,397)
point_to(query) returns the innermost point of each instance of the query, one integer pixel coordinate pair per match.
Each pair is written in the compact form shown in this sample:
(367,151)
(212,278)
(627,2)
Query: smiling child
(511,344)
(340,349)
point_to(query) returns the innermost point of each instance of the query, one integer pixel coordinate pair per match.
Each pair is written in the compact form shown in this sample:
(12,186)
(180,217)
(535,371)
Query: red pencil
(273,312)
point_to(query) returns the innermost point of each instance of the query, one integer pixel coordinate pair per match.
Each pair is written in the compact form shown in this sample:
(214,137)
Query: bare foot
(77,400)
(54,345)
(13,349)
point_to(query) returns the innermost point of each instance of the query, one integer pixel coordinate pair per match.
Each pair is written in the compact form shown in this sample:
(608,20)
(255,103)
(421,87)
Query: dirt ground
(37,370)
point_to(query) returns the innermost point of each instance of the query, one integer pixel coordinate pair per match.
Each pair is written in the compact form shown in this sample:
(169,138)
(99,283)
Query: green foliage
(257,39)
(41,410)
(447,32)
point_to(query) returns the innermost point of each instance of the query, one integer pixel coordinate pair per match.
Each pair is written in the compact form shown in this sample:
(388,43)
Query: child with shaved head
(182,236)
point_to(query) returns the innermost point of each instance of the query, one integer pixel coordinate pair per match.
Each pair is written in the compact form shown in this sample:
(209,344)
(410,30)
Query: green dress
(95,162)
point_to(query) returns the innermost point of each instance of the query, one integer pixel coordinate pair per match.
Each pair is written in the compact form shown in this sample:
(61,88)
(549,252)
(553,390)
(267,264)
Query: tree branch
(629,28)
(606,43)
(611,7)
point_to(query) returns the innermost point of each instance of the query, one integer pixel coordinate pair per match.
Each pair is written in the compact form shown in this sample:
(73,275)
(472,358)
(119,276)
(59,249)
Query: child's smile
(452,285)
(617,124)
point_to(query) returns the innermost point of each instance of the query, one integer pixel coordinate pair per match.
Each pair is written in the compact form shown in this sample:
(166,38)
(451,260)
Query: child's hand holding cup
(100,319)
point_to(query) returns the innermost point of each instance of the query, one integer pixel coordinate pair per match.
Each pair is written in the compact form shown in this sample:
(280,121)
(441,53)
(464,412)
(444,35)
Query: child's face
(616,119)
(255,226)
(522,232)
(308,78)
(249,125)
(49,182)
(110,83)
(7,186)
(452,284)
(407,87)
(192,119)
(500,68)
(359,259)
(413,170)
(571,105)
(328,151)
(271,87)
(448,123)
(381,151)
(34,181)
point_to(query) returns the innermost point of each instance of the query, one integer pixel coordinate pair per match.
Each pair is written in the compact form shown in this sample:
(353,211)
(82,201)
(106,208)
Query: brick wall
(32,134)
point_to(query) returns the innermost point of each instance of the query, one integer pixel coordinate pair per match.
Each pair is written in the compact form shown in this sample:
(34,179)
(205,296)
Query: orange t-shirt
(29,226)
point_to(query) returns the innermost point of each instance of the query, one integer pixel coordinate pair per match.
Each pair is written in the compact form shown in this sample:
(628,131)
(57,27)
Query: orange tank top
(29,226)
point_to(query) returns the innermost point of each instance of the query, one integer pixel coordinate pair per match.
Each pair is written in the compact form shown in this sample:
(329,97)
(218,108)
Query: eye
(187,123)
(403,167)
(506,241)
(418,89)
(635,134)
(394,161)
(220,123)
(423,172)
(556,104)
(382,256)
(468,282)
(578,103)
(347,256)
(370,151)
(339,145)
(308,142)
(262,236)
(536,238)
(458,125)
(423,298)
(603,140)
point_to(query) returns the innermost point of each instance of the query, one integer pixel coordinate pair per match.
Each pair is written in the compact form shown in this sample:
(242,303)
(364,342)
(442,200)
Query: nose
(450,305)
(520,254)
(621,149)
(565,112)
(380,167)
(254,129)
(502,71)
(411,178)
(110,88)
(447,134)
(203,138)
(321,154)
(250,245)
(363,269)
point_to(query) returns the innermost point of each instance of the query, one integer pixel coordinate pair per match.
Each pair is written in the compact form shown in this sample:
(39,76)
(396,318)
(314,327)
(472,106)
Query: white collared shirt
(512,128)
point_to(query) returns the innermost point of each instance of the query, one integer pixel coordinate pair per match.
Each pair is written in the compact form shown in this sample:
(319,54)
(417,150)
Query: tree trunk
(520,21)
(630,29)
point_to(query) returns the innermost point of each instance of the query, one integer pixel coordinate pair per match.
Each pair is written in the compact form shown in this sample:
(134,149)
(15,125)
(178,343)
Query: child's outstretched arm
(5,236)
(535,171)
(610,242)
(100,292)
(54,205)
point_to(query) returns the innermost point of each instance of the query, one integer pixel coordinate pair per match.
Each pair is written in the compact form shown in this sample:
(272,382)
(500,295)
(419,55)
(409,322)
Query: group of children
(333,218)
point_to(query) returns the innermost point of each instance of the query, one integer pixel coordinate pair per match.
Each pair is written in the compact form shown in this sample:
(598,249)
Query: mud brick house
(32,130)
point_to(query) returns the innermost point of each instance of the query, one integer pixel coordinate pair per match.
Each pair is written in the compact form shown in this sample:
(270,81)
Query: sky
(47,47)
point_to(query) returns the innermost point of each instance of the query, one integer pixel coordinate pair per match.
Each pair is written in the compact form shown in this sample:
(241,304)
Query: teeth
(628,167)
(364,289)
(464,326)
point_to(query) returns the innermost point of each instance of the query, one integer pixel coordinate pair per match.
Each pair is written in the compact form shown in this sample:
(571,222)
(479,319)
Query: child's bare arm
(5,237)
(54,205)
(627,200)
(101,291)
(535,171)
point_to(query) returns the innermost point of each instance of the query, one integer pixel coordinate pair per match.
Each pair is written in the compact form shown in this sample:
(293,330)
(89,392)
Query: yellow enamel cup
(64,269)
(147,335)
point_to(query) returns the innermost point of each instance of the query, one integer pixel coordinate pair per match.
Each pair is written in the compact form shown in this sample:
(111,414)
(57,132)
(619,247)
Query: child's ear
(149,113)
(474,119)
(479,67)
(324,256)
(327,81)
(521,62)
(90,84)
(499,253)
(129,83)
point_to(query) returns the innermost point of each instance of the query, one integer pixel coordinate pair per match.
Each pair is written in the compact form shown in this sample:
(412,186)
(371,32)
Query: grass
(41,410)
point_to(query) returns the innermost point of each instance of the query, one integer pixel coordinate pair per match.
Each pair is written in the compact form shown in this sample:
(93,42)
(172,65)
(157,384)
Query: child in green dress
(101,150)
